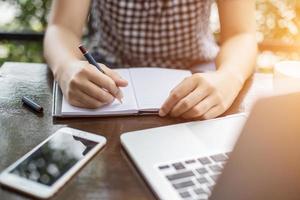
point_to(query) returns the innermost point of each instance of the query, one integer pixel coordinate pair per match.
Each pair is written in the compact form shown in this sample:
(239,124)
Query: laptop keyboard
(194,178)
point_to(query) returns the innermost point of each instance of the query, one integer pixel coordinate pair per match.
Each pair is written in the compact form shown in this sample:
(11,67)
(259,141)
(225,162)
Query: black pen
(31,104)
(92,61)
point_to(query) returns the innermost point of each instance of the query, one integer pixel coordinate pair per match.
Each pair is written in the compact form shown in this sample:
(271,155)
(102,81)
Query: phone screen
(54,158)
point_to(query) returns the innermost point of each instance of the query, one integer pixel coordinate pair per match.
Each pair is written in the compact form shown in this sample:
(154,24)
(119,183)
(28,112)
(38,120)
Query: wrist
(235,78)
(61,70)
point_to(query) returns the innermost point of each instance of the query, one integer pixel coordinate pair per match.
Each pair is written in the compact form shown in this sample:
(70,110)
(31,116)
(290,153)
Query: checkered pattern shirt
(158,33)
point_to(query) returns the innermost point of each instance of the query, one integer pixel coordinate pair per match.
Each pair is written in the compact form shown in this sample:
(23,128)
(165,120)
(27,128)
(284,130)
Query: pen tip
(120,100)
(82,49)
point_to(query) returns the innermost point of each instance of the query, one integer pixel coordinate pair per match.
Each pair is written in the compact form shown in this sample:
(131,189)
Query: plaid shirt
(158,33)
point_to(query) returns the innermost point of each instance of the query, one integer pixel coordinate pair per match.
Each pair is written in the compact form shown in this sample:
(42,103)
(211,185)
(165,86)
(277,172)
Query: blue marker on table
(31,104)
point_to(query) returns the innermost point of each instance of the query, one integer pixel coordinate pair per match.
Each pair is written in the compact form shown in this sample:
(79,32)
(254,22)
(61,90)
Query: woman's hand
(202,95)
(85,86)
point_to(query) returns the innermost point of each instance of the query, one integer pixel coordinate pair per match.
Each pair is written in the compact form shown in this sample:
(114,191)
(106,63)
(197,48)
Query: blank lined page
(129,105)
(153,85)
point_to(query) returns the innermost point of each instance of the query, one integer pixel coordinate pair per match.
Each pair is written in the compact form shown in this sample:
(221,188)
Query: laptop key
(163,167)
(178,166)
(219,158)
(201,170)
(215,177)
(223,165)
(199,191)
(180,175)
(228,154)
(215,168)
(185,194)
(211,188)
(202,180)
(190,161)
(204,160)
(183,184)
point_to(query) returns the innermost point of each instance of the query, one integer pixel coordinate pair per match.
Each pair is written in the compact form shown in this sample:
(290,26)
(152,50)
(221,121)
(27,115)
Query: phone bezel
(43,191)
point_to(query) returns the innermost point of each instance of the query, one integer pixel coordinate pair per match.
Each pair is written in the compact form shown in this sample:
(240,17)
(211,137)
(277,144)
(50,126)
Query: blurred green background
(277,20)
(22,16)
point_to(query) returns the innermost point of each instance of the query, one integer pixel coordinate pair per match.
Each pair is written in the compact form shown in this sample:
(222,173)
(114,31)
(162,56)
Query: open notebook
(147,90)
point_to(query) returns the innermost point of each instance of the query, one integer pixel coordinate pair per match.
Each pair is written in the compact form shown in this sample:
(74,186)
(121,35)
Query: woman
(164,33)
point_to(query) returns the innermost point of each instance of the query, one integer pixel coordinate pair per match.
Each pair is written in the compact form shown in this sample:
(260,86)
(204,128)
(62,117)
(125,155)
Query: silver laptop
(185,161)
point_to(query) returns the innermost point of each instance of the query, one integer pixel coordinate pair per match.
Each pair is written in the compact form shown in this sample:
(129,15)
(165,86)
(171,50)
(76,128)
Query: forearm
(60,47)
(237,56)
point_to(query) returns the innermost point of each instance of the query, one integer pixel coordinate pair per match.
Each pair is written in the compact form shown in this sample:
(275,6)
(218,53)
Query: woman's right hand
(85,86)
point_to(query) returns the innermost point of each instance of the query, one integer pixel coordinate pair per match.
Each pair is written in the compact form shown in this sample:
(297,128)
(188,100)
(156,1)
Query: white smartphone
(47,167)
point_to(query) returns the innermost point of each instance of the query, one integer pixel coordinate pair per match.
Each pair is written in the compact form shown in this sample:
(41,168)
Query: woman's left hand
(202,95)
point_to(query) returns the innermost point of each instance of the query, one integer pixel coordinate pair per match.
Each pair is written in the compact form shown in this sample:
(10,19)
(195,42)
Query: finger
(96,92)
(213,112)
(121,82)
(76,103)
(89,102)
(84,100)
(201,108)
(179,92)
(110,84)
(189,101)
(102,80)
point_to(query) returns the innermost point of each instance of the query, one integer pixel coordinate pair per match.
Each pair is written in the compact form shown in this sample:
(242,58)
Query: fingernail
(161,113)
(125,81)
(120,100)
(119,94)
(122,79)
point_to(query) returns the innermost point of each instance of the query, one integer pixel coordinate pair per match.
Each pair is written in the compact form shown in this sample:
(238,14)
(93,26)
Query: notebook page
(153,85)
(129,105)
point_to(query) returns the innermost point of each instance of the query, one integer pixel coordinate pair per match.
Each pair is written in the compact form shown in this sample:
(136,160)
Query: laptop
(234,157)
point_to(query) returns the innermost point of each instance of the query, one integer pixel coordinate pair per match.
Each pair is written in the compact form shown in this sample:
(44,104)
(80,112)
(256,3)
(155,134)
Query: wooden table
(110,174)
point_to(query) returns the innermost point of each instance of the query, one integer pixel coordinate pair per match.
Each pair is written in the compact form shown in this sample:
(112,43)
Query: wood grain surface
(110,174)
